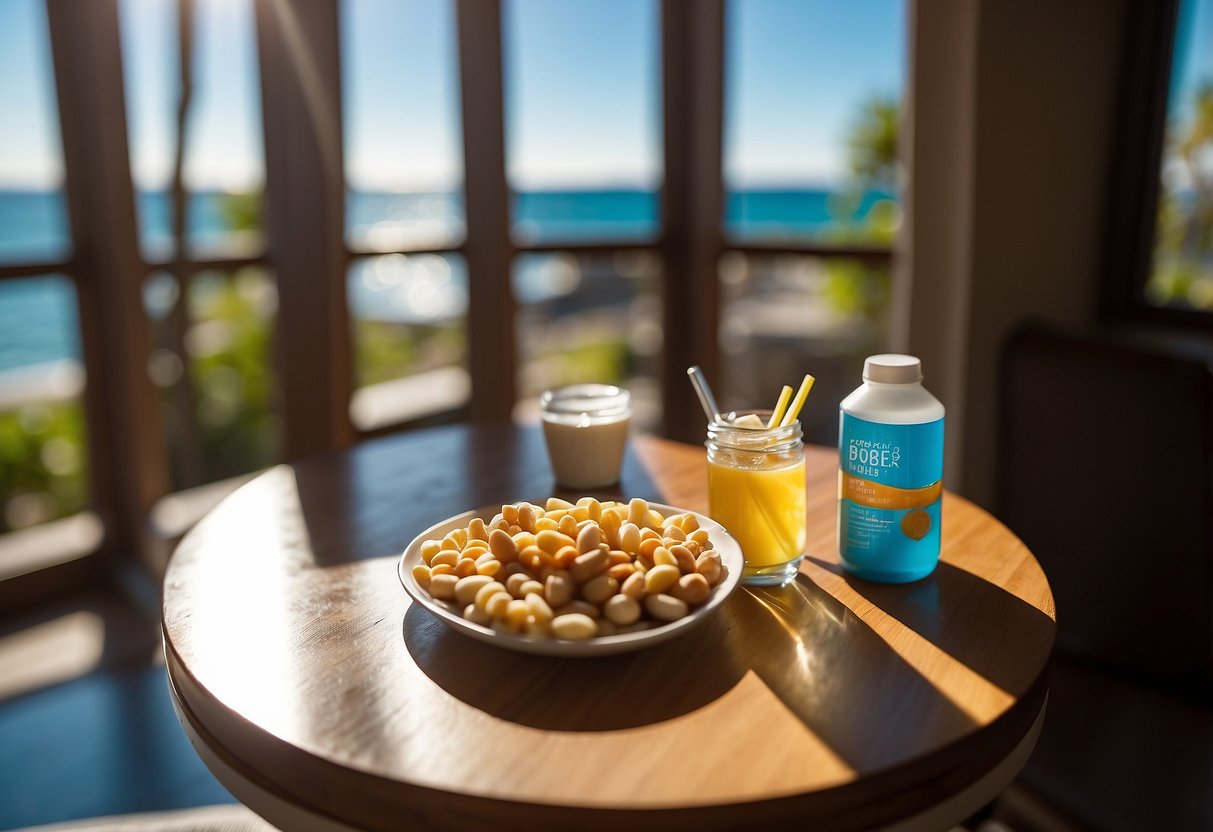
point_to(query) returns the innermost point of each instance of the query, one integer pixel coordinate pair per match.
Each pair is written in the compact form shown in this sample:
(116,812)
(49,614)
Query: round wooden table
(321,698)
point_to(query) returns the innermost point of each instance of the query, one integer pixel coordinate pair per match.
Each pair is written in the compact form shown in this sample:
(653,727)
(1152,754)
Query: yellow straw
(798,402)
(777,413)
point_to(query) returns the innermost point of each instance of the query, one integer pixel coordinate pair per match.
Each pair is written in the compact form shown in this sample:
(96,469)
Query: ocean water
(38,317)
(38,321)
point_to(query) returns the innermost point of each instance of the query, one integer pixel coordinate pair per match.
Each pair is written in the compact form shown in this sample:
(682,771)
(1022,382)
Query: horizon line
(574,187)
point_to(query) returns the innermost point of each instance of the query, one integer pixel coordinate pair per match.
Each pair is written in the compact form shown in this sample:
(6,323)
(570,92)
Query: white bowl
(722,542)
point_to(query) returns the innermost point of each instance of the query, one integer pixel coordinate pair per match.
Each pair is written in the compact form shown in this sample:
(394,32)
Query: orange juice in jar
(756,490)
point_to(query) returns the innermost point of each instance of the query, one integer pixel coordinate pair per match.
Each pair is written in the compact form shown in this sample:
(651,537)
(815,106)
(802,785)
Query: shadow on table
(825,665)
(979,624)
(369,501)
(603,693)
(839,677)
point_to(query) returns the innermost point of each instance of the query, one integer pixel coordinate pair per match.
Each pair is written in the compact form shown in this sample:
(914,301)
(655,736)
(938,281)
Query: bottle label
(890,481)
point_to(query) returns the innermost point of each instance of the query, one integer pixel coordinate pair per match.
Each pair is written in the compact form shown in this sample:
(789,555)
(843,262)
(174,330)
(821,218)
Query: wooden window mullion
(299,49)
(126,442)
(492,359)
(692,201)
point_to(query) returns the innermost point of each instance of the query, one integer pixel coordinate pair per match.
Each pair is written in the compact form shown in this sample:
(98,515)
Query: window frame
(1134,179)
(307,249)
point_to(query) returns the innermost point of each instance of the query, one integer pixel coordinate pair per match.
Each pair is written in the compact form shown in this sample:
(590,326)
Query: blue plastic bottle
(890,477)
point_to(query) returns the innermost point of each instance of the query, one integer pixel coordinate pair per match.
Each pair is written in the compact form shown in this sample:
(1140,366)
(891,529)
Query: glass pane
(583,130)
(812,109)
(403,151)
(410,337)
(43,452)
(1182,275)
(786,315)
(33,213)
(213,364)
(223,167)
(586,319)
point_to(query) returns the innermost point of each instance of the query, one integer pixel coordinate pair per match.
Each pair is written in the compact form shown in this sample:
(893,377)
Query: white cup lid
(891,368)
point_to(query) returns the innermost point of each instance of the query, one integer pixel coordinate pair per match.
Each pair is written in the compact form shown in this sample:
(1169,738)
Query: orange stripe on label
(875,495)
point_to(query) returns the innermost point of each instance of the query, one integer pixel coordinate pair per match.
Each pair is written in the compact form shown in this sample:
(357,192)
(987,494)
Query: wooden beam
(16,271)
(125,433)
(188,460)
(588,247)
(490,324)
(692,34)
(868,255)
(222,264)
(299,50)
(933,272)
(1144,87)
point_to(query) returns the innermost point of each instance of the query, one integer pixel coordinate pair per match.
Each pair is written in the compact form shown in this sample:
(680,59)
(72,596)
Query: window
(404,200)
(222,170)
(575,263)
(403,153)
(813,106)
(582,103)
(813,97)
(195,146)
(410,346)
(33,216)
(43,453)
(43,440)
(590,318)
(1181,274)
(583,159)
(212,365)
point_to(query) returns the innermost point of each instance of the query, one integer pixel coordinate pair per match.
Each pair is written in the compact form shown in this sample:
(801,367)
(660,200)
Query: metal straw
(704,392)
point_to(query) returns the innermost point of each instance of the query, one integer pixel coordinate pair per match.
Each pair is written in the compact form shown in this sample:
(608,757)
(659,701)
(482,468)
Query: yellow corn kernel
(421,574)
(568,525)
(447,556)
(428,549)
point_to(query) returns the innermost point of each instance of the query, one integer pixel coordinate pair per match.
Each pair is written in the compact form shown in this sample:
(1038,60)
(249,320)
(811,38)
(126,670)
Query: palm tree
(872,143)
(854,288)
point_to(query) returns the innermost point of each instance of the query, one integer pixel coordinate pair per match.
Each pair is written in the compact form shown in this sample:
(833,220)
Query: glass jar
(586,428)
(756,490)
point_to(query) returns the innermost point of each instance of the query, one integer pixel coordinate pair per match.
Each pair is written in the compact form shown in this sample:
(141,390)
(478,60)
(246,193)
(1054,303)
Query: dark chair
(1106,472)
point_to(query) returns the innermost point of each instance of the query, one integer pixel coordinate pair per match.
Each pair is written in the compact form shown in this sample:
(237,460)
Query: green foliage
(872,142)
(1183,253)
(242,211)
(852,288)
(42,455)
(232,371)
(387,350)
(604,361)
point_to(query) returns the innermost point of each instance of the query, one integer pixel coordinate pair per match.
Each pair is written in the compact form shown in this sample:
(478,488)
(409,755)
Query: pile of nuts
(573,571)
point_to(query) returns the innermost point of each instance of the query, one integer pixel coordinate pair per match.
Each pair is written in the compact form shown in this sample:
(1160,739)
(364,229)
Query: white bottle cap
(891,368)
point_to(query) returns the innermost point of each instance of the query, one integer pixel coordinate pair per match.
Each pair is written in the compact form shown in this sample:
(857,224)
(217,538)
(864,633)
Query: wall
(1008,222)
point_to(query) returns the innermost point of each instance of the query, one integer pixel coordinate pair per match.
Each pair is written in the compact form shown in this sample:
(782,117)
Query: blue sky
(29,132)
(1193,59)
(797,72)
(401,95)
(223,147)
(582,87)
(582,92)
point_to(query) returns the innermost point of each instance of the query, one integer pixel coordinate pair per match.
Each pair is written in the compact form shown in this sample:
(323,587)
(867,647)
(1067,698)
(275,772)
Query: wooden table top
(845,704)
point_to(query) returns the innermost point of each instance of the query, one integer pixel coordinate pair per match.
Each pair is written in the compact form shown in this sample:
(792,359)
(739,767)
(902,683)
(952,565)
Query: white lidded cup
(586,428)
